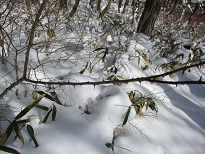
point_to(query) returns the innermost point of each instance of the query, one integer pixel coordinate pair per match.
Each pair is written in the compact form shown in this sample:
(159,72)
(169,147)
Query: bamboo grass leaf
(126,116)
(46,117)
(17,131)
(9,150)
(147,62)
(54,113)
(29,107)
(42,107)
(20,122)
(31,133)
(7,133)
(46,95)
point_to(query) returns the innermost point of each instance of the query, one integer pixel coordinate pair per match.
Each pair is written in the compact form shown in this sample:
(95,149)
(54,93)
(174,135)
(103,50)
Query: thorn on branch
(200,78)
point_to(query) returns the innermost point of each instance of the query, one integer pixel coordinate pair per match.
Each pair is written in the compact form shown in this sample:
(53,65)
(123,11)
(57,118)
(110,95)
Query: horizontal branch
(116,81)
(149,79)
(152,79)
(11,87)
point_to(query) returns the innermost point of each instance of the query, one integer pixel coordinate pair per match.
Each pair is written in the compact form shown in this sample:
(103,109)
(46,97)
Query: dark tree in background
(149,16)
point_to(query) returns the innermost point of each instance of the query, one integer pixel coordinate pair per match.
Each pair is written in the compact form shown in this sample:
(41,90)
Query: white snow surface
(90,115)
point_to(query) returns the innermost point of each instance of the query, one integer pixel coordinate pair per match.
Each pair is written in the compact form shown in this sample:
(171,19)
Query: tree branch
(149,79)
(27,52)
(11,87)
(32,36)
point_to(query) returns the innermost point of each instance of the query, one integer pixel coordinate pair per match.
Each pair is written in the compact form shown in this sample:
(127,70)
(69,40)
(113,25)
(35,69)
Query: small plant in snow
(17,124)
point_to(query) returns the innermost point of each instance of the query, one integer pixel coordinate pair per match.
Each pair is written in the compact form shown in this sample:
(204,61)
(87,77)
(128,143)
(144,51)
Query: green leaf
(42,107)
(145,68)
(106,50)
(138,63)
(46,117)
(103,58)
(46,96)
(9,150)
(198,44)
(29,107)
(126,116)
(110,77)
(54,113)
(147,62)
(115,70)
(98,49)
(20,122)
(82,71)
(17,130)
(136,104)
(7,133)
(55,97)
(31,133)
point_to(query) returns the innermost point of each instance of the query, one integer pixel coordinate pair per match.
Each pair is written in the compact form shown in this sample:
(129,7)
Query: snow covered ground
(90,116)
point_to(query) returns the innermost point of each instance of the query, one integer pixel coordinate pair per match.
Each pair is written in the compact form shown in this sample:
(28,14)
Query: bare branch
(32,36)
(149,79)
(11,87)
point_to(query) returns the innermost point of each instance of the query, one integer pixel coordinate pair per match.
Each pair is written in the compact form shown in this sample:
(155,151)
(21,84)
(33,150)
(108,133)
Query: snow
(90,116)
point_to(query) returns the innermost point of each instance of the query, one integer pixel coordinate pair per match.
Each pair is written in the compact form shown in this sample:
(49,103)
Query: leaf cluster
(17,124)
(139,103)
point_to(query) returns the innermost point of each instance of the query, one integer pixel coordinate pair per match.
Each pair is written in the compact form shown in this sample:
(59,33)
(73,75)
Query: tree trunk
(106,9)
(196,9)
(149,16)
(91,3)
(98,5)
(71,14)
(124,9)
(119,5)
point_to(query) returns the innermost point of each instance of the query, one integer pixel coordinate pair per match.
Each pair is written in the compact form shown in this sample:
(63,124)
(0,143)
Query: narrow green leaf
(17,130)
(46,117)
(82,71)
(42,107)
(147,62)
(138,63)
(29,107)
(126,116)
(9,150)
(55,97)
(20,122)
(98,49)
(54,113)
(103,58)
(46,96)
(198,44)
(115,70)
(136,104)
(31,133)
(110,77)
(7,133)
(106,50)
